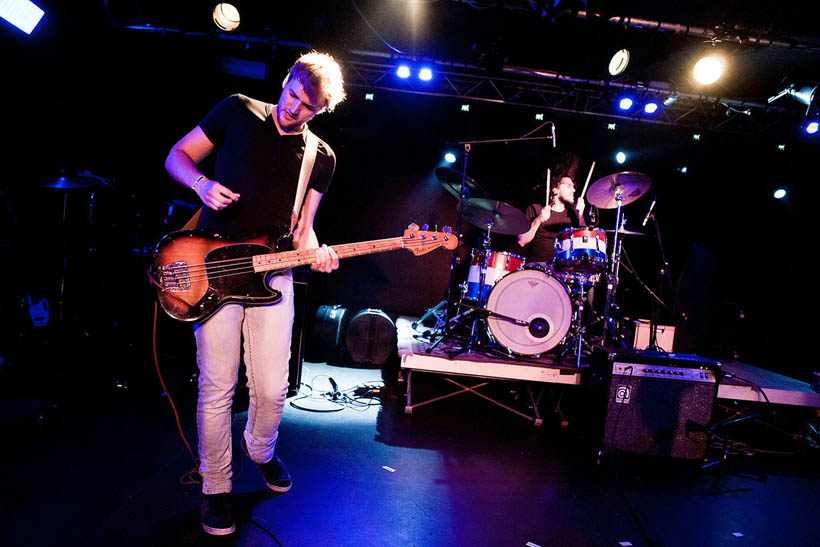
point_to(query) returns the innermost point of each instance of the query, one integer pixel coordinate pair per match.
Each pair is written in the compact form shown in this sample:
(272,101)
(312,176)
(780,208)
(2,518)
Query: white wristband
(197,180)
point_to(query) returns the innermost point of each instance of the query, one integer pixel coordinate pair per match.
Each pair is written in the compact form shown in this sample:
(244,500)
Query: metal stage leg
(535,417)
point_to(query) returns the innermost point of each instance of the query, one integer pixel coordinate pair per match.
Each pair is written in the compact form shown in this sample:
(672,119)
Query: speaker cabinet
(660,408)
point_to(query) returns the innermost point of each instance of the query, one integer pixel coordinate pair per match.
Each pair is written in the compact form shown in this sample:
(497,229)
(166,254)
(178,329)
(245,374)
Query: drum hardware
(486,214)
(613,192)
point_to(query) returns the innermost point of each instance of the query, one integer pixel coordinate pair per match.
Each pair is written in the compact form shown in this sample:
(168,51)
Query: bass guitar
(195,272)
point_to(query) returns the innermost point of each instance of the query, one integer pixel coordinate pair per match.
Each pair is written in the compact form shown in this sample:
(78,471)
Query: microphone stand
(663,274)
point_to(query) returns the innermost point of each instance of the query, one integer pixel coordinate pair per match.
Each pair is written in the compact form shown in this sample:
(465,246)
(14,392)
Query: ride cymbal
(604,192)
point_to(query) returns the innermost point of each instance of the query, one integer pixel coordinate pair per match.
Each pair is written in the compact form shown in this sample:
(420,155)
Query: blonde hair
(321,78)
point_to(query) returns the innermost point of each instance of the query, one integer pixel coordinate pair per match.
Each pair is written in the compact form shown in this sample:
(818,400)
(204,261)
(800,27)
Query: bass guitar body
(197,272)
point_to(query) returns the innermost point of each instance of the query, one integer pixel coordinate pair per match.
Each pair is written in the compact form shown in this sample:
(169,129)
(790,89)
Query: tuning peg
(447,230)
(412,226)
(424,227)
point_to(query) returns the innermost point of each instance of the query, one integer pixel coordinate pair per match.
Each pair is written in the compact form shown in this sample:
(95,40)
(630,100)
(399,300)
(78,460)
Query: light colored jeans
(265,332)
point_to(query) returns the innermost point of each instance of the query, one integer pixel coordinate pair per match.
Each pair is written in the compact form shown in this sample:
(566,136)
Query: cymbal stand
(478,318)
(613,271)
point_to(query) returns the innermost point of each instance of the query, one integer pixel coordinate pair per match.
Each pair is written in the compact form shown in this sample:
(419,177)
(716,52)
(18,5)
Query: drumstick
(548,187)
(589,176)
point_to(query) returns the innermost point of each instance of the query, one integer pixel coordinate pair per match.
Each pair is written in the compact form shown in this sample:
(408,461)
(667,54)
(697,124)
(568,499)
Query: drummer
(562,211)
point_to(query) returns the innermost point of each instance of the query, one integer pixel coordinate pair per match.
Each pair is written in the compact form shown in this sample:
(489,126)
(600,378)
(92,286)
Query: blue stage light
(620,157)
(21,13)
(449,157)
(403,71)
(625,103)
(425,74)
(812,127)
(780,193)
(651,107)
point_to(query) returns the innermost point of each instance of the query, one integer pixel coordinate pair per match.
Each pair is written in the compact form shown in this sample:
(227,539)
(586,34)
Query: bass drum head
(535,297)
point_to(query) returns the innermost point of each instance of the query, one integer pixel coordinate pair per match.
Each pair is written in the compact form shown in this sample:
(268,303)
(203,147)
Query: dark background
(81,94)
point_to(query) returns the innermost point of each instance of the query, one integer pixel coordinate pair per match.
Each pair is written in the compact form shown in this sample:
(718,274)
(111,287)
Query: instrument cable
(192,476)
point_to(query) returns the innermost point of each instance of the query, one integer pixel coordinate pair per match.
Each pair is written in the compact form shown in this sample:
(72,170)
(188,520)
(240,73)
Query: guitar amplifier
(659,404)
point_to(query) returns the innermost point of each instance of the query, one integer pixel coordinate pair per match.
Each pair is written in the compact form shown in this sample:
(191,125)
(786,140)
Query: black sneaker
(217,517)
(274,472)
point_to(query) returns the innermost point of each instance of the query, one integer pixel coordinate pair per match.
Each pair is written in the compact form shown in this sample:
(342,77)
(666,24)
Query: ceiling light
(625,103)
(709,69)
(619,62)
(226,16)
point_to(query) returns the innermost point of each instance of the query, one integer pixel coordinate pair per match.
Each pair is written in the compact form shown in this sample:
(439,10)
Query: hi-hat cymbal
(505,218)
(603,193)
(74,182)
(625,232)
(450,179)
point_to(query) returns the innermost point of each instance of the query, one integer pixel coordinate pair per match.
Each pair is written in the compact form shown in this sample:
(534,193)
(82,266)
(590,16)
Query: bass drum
(533,296)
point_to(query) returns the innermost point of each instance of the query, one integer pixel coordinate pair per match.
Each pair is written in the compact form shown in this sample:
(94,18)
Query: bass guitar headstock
(420,240)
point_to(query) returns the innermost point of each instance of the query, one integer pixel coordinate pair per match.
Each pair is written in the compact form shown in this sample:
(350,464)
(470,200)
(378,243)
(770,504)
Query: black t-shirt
(542,246)
(253,160)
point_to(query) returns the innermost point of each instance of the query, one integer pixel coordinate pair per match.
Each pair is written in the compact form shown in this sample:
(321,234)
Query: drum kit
(524,310)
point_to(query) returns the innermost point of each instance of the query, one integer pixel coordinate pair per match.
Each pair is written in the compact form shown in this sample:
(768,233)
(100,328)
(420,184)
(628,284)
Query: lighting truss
(543,90)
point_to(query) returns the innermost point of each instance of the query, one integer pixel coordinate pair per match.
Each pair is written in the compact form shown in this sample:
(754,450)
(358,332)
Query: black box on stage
(659,404)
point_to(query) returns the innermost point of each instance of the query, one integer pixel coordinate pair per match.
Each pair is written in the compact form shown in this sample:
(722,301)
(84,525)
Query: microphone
(649,212)
(553,134)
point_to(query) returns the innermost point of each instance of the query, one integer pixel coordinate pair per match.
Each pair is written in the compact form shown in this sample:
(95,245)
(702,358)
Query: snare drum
(533,296)
(498,265)
(580,251)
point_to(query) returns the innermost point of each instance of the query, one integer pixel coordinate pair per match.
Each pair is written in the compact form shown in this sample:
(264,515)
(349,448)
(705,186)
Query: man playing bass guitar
(259,153)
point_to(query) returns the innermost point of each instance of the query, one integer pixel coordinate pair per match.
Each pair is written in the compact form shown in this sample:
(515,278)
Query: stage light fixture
(625,103)
(369,97)
(539,117)
(780,193)
(611,126)
(425,74)
(811,128)
(805,95)
(403,71)
(670,100)
(465,108)
(683,169)
(226,16)
(620,157)
(709,69)
(449,157)
(619,62)
(650,107)
(21,13)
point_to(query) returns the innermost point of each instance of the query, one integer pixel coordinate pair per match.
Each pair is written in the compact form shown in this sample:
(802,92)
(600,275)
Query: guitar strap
(308,159)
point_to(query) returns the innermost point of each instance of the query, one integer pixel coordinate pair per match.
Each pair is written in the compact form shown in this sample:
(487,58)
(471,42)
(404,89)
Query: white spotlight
(780,193)
(226,16)
(619,62)
(708,70)
(620,157)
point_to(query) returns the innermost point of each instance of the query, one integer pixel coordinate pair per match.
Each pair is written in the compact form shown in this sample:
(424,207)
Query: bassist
(262,151)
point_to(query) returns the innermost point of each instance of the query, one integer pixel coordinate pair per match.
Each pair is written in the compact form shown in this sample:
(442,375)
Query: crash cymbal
(505,218)
(450,179)
(604,191)
(625,233)
(74,182)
